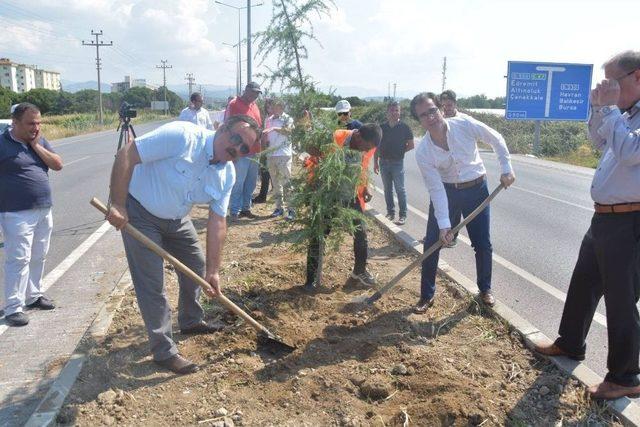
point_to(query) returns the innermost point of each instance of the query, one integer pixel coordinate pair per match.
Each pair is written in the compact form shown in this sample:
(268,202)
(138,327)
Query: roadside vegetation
(565,142)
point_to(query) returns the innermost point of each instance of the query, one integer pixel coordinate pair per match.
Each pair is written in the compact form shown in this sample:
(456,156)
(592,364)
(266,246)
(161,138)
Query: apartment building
(22,78)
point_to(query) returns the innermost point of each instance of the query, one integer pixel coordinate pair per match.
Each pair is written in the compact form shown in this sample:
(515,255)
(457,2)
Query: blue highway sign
(548,91)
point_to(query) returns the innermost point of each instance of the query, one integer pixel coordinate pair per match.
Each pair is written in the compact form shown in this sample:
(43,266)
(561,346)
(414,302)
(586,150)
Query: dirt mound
(383,366)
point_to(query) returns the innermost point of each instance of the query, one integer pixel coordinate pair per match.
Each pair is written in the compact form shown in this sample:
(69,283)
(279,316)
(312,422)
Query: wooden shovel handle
(375,297)
(136,234)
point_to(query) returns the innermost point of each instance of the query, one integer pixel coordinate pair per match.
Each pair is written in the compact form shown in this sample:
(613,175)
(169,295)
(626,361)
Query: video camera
(127,111)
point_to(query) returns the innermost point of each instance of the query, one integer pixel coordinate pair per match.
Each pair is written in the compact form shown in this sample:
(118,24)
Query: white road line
(76,160)
(87,138)
(589,209)
(539,283)
(62,268)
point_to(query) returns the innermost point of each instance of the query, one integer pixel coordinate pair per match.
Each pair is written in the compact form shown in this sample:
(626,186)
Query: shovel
(426,254)
(263,333)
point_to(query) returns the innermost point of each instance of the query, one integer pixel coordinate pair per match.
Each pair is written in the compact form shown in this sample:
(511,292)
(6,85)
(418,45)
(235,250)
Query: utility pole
(164,67)
(98,44)
(444,74)
(389,91)
(394,91)
(238,63)
(190,81)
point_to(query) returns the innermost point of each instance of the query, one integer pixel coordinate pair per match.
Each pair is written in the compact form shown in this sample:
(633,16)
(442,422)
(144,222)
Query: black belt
(467,184)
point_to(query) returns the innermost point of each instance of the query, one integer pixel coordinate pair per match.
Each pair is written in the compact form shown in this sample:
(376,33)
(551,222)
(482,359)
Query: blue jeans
(246,178)
(461,202)
(392,174)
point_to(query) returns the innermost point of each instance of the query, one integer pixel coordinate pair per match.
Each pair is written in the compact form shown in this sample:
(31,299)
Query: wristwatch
(606,109)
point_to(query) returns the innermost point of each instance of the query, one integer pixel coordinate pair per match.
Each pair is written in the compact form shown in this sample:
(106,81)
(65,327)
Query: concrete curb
(48,408)
(627,410)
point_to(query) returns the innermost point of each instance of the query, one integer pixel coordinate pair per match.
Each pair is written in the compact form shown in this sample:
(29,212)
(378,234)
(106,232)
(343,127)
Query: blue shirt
(24,181)
(175,172)
(617,134)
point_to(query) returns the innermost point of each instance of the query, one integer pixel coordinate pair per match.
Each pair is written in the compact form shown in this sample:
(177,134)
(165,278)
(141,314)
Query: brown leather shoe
(608,390)
(202,328)
(553,350)
(179,365)
(488,298)
(423,305)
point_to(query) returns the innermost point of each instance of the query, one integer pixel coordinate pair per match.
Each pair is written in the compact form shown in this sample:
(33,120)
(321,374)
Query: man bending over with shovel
(154,183)
(455,177)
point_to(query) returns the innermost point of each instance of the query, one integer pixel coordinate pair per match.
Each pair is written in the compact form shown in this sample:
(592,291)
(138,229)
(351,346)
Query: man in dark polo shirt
(25,212)
(397,139)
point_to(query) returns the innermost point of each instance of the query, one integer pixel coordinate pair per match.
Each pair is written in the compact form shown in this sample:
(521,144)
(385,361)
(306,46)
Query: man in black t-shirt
(25,211)
(397,139)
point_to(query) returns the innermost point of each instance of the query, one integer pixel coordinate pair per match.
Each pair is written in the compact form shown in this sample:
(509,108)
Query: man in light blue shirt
(154,183)
(607,265)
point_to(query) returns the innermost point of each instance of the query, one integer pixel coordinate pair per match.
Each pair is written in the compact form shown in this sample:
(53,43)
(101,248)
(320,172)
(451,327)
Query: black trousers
(264,179)
(608,265)
(360,248)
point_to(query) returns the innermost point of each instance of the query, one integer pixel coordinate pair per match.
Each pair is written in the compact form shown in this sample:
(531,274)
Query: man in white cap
(343,108)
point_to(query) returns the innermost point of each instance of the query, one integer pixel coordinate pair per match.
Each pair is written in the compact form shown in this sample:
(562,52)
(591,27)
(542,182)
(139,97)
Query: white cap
(343,106)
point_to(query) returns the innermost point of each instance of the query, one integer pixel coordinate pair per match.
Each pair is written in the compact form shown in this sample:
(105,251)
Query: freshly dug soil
(385,366)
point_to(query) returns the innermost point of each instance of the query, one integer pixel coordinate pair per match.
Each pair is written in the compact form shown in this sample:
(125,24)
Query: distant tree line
(53,102)
(481,101)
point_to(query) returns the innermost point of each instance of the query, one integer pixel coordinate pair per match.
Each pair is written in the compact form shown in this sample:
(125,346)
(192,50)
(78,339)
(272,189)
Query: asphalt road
(537,226)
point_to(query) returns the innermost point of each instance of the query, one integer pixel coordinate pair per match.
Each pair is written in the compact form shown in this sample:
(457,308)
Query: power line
(98,44)
(164,68)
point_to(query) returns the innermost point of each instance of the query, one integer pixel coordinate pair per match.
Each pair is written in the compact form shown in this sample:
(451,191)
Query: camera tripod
(124,126)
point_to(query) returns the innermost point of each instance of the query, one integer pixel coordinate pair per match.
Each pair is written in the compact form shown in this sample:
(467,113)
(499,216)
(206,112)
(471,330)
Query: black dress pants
(360,248)
(608,265)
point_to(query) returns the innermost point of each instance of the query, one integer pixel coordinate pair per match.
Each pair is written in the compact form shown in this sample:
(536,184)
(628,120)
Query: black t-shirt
(24,182)
(394,139)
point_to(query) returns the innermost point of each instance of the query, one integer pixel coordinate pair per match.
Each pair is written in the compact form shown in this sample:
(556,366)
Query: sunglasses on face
(237,141)
(430,112)
(346,113)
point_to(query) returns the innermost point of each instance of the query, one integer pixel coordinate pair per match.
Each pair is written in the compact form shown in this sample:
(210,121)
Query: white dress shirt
(279,143)
(199,117)
(461,163)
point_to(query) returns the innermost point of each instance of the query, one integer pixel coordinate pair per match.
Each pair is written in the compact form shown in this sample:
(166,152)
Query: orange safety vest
(340,136)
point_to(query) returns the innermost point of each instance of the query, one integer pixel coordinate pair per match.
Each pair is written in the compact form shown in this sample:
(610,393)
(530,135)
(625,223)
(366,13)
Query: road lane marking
(589,209)
(62,268)
(539,283)
(77,160)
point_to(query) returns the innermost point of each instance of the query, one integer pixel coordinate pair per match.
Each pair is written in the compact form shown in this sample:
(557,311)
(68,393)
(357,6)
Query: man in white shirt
(455,177)
(278,128)
(196,113)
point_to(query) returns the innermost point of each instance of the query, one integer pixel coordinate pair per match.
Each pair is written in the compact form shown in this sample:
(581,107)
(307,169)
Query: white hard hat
(343,106)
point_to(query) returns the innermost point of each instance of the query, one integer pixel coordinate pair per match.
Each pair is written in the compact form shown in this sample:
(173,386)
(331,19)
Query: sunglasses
(346,113)
(237,141)
(430,112)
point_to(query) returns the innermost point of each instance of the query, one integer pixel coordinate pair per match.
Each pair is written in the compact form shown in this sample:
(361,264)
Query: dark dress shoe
(553,350)
(17,319)
(423,305)
(259,199)
(248,214)
(607,390)
(178,364)
(43,303)
(201,328)
(488,298)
